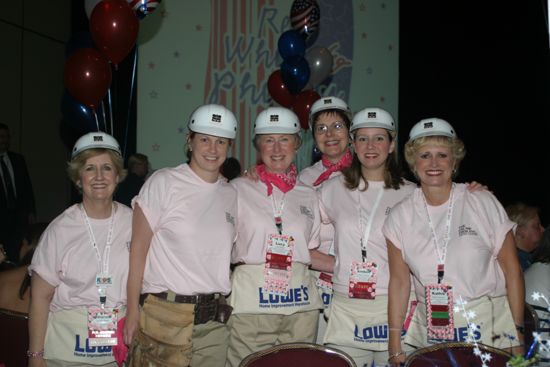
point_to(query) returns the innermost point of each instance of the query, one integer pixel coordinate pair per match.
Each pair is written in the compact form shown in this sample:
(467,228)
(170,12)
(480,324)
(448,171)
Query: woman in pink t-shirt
(329,122)
(273,294)
(183,231)
(357,203)
(460,249)
(80,267)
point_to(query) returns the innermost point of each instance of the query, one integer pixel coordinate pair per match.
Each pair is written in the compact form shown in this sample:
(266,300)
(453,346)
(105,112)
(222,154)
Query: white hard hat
(95,140)
(328,103)
(213,119)
(276,120)
(372,117)
(432,127)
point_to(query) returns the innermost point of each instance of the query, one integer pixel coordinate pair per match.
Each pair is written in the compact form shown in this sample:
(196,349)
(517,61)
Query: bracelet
(392,356)
(38,354)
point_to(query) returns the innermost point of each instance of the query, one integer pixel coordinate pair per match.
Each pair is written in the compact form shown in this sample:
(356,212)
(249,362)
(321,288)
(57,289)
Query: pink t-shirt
(66,259)
(256,220)
(478,228)
(193,224)
(308,176)
(342,208)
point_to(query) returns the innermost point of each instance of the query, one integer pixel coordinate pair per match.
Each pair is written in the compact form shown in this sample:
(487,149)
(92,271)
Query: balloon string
(96,120)
(103,114)
(132,86)
(110,110)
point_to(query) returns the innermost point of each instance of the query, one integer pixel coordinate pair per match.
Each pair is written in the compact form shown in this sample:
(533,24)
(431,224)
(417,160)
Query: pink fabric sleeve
(151,198)
(46,259)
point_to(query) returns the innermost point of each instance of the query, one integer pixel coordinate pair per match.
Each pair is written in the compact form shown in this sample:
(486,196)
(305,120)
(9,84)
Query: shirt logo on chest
(464,230)
(306,211)
(229,218)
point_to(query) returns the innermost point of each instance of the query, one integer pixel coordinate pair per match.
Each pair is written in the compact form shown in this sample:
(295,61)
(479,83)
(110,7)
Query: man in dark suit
(17,206)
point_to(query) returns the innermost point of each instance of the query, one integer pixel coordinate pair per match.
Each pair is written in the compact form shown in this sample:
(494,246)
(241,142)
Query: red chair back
(14,338)
(454,355)
(298,355)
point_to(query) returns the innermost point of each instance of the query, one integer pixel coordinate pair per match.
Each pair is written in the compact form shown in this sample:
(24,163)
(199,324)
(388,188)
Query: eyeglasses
(336,128)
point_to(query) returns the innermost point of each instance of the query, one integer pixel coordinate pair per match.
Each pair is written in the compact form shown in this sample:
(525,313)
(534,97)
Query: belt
(208,307)
(197,299)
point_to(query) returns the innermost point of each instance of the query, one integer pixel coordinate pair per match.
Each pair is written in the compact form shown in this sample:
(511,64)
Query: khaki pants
(250,333)
(167,337)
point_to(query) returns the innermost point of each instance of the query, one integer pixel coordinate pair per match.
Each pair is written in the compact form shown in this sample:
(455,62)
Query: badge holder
(102,321)
(324,283)
(278,264)
(362,280)
(439,312)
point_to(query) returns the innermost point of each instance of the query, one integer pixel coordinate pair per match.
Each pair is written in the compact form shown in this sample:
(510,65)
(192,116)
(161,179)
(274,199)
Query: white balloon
(89,5)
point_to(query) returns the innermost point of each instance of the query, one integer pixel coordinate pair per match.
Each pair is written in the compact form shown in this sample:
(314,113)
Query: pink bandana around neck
(344,162)
(284,181)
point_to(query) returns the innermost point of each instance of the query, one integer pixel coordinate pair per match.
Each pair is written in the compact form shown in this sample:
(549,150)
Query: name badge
(278,264)
(102,325)
(362,280)
(439,312)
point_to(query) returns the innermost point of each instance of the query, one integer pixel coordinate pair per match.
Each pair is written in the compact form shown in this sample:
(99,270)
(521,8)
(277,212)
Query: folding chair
(14,338)
(298,355)
(455,354)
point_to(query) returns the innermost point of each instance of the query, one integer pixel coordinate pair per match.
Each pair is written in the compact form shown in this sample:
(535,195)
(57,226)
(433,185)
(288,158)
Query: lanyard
(441,255)
(278,212)
(366,228)
(102,261)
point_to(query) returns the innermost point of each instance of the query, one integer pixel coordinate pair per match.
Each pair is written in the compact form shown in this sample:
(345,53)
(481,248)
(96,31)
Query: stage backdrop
(196,52)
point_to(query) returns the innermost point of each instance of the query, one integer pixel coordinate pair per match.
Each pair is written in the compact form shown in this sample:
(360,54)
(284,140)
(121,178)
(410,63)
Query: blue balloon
(295,73)
(78,116)
(290,44)
(77,41)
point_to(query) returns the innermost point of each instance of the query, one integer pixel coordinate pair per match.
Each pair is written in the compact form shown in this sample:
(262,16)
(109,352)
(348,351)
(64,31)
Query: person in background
(14,283)
(357,202)
(184,227)
(17,207)
(528,231)
(138,169)
(231,168)
(329,122)
(273,294)
(537,289)
(80,267)
(459,247)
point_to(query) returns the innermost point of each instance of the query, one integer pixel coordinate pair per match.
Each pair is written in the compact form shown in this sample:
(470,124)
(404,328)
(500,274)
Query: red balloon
(302,105)
(278,90)
(114,28)
(87,76)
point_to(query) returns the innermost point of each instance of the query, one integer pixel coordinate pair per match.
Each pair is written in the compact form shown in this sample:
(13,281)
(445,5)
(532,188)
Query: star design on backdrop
(176,54)
(151,65)
(382,99)
(181,130)
(369,71)
(390,47)
(188,86)
(156,147)
(383,6)
(364,35)
(198,27)
(153,94)
(163,13)
(362,7)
